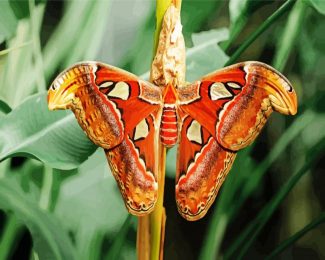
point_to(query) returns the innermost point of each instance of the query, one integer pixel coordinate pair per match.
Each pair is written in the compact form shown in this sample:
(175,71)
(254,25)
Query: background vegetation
(58,199)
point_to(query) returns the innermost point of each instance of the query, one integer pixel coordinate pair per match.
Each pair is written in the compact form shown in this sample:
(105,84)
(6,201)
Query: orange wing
(220,114)
(120,113)
(202,166)
(234,103)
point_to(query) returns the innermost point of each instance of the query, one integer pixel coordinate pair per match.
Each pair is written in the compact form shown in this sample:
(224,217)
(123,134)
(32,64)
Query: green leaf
(319,5)
(8,21)
(53,137)
(98,208)
(294,238)
(20,8)
(206,55)
(49,239)
(119,241)
(203,11)
(4,107)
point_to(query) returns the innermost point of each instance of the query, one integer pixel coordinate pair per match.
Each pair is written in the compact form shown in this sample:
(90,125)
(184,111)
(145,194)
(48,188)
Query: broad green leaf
(53,137)
(98,208)
(206,55)
(8,21)
(50,241)
(2,38)
(201,10)
(319,5)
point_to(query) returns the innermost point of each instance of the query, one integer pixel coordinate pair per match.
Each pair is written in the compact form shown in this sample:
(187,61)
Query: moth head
(282,96)
(63,89)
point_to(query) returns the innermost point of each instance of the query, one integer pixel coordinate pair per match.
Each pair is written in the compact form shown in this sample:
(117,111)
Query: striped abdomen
(168,127)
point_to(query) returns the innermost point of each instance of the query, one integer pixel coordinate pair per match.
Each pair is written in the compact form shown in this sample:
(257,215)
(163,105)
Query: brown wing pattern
(222,113)
(202,166)
(134,166)
(234,103)
(118,112)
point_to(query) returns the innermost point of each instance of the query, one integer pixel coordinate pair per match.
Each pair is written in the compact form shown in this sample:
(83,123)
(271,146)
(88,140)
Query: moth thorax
(168,127)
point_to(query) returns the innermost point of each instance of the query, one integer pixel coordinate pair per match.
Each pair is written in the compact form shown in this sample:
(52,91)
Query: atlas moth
(209,119)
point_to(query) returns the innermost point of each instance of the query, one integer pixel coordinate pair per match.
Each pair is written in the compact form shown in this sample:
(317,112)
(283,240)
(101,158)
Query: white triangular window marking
(218,91)
(106,84)
(141,130)
(233,85)
(194,132)
(121,90)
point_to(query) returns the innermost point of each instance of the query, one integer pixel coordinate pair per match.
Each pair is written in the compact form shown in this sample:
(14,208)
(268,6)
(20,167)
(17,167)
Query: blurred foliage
(66,205)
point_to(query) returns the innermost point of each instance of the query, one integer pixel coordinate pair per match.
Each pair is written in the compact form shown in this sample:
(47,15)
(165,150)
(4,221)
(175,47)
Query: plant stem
(143,238)
(285,244)
(265,25)
(289,35)
(151,229)
(161,7)
(45,197)
(6,51)
(158,216)
(11,233)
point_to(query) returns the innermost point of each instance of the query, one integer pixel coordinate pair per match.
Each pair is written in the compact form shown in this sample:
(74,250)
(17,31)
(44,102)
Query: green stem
(289,35)
(46,191)
(288,242)
(161,8)
(45,197)
(237,28)
(11,234)
(36,16)
(6,51)
(263,27)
